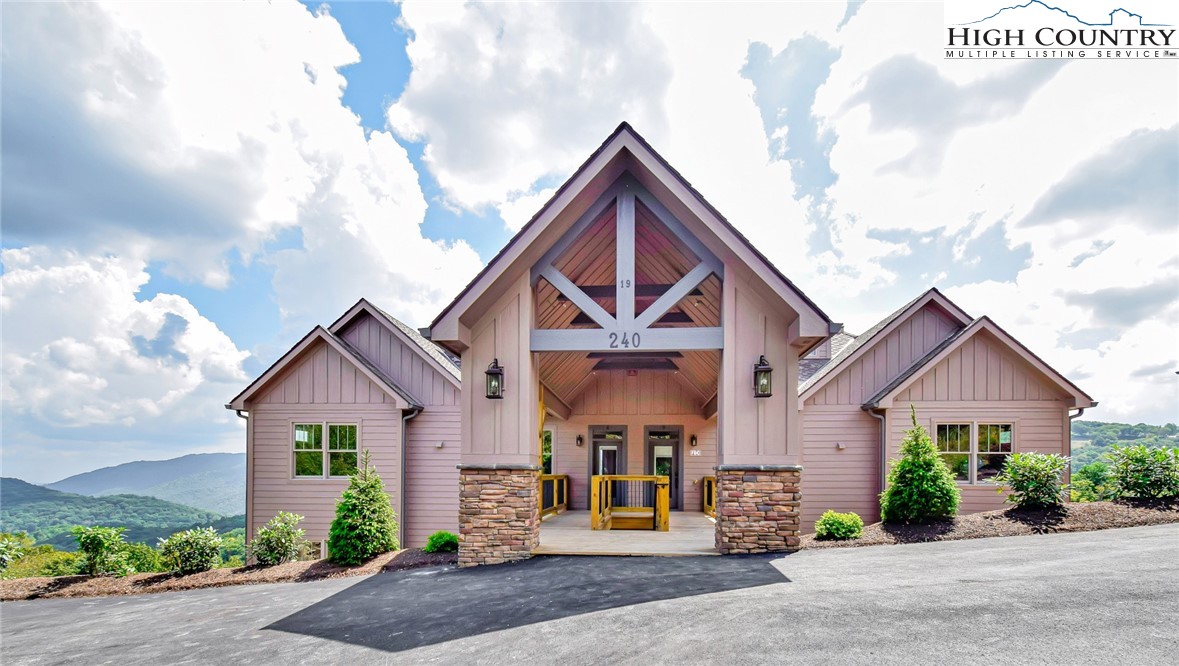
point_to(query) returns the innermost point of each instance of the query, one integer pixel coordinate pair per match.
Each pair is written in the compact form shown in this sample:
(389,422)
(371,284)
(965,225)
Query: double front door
(661,455)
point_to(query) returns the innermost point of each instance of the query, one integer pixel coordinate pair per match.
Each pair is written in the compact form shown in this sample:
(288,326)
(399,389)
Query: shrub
(105,550)
(143,558)
(13,547)
(1035,479)
(841,526)
(442,542)
(920,486)
(192,551)
(1091,483)
(45,561)
(1138,471)
(278,541)
(365,524)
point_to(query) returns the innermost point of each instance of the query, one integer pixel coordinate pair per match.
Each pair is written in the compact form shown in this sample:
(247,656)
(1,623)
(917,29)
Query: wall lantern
(761,378)
(580,441)
(495,381)
(692,441)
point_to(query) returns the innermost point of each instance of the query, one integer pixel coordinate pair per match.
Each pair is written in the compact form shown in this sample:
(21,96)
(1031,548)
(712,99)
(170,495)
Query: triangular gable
(402,399)
(884,398)
(863,343)
(430,352)
(621,151)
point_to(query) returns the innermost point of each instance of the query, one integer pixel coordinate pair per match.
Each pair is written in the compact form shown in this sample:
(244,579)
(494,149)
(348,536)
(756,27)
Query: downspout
(405,419)
(883,448)
(1071,418)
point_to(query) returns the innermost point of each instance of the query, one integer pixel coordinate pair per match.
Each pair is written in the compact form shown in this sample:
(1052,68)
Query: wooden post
(595,504)
(662,504)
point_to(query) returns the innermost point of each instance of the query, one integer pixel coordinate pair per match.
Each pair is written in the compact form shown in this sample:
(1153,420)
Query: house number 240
(625,340)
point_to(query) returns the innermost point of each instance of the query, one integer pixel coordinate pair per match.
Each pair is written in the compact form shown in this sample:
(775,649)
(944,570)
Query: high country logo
(1038,29)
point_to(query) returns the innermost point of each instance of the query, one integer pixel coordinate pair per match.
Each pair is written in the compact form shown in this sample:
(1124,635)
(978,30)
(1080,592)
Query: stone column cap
(758,468)
(495,466)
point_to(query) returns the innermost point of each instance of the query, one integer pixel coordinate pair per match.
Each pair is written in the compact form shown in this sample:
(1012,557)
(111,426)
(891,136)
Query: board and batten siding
(405,366)
(846,479)
(888,358)
(432,477)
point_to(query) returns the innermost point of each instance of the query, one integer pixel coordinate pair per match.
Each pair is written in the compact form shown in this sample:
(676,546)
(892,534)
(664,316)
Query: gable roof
(884,396)
(624,137)
(403,399)
(863,342)
(809,365)
(432,353)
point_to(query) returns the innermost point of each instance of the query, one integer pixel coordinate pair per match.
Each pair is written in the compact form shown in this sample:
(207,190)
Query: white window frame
(974,453)
(326,449)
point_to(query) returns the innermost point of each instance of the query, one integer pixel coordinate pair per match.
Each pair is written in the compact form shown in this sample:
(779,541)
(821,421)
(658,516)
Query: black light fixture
(580,441)
(761,378)
(692,440)
(495,381)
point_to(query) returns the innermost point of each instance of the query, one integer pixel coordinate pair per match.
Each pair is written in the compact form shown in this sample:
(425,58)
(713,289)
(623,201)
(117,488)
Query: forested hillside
(47,515)
(214,482)
(1091,439)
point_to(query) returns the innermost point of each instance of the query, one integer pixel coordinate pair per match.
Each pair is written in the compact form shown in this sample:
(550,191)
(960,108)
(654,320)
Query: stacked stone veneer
(499,514)
(758,508)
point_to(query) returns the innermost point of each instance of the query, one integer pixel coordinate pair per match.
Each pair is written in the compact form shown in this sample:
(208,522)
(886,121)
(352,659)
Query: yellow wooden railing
(709,494)
(554,493)
(630,502)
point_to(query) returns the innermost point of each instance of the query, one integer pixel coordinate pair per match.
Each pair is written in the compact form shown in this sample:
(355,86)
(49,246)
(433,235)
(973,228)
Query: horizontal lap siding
(405,364)
(272,487)
(843,480)
(1038,426)
(432,485)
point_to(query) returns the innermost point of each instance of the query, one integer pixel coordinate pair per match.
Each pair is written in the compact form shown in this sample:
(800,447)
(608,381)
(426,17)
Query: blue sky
(188,189)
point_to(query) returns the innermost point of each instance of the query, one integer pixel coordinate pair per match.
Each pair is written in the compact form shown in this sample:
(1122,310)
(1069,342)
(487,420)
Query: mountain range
(214,482)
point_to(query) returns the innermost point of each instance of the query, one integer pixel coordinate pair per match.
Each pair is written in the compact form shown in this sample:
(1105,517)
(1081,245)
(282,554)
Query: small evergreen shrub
(105,550)
(192,551)
(1138,471)
(365,524)
(1091,483)
(279,540)
(1036,480)
(143,558)
(920,485)
(442,542)
(840,526)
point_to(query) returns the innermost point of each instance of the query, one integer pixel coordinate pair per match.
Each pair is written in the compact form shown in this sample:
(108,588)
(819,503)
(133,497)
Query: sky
(188,188)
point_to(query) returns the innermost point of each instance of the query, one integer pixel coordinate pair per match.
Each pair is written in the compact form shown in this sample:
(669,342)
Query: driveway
(1108,597)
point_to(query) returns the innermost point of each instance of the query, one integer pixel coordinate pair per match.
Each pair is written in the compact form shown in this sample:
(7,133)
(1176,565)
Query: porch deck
(569,533)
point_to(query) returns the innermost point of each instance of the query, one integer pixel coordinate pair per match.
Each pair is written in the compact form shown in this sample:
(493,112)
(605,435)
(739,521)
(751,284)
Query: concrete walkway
(569,533)
(1100,597)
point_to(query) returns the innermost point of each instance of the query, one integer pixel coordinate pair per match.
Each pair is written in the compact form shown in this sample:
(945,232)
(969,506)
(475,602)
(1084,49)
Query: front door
(607,452)
(663,459)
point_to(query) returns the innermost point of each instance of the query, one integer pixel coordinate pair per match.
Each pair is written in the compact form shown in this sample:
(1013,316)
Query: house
(630,360)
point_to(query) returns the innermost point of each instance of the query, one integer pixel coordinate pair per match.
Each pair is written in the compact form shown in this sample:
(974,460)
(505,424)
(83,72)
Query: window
(313,460)
(978,458)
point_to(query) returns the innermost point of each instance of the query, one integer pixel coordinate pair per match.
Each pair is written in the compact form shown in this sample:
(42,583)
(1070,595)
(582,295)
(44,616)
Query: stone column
(499,513)
(758,508)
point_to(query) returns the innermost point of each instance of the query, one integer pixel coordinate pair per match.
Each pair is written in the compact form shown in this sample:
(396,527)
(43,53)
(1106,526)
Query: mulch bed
(1078,517)
(291,572)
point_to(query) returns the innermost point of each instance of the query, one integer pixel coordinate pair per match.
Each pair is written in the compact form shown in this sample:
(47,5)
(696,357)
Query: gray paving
(1101,597)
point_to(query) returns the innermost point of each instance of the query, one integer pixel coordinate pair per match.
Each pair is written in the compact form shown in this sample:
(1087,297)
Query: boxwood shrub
(1036,480)
(442,542)
(840,526)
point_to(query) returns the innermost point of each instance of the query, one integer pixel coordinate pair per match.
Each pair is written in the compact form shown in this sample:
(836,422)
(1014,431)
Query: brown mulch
(1078,517)
(291,572)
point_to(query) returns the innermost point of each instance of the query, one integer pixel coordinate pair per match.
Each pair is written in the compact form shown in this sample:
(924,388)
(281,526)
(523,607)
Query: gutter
(405,419)
(883,447)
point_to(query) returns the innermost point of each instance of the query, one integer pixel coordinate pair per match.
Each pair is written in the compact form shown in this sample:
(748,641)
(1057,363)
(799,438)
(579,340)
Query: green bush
(192,551)
(45,561)
(1091,483)
(920,486)
(365,524)
(442,542)
(1035,479)
(279,540)
(841,526)
(13,547)
(143,558)
(105,550)
(1138,471)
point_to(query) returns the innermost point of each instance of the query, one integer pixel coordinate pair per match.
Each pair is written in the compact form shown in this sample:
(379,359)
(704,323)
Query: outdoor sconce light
(495,381)
(761,378)
(580,441)
(692,440)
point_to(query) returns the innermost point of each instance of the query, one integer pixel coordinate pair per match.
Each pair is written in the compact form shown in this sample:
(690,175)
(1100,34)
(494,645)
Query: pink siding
(270,465)
(323,377)
(890,356)
(980,369)
(405,365)
(651,392)
(843,480)
(432,474)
